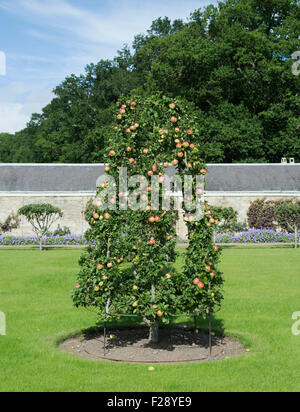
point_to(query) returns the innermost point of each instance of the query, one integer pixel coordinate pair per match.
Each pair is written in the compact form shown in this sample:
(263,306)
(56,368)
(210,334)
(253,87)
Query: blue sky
(46,40)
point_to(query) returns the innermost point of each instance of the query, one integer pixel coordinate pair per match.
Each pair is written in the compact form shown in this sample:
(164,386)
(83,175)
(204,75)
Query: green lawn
(261,293)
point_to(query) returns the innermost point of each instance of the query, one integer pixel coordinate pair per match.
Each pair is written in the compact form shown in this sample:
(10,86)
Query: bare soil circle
(177,344)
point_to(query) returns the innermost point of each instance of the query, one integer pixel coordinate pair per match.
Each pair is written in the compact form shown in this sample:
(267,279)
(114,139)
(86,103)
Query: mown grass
(261,294)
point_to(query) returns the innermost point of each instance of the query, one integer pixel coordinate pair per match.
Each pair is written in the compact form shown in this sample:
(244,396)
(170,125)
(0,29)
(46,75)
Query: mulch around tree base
(131,345)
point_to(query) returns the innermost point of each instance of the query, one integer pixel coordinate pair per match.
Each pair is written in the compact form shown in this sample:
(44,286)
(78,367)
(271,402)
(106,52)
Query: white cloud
(18,101)
(12,117)
(114,25)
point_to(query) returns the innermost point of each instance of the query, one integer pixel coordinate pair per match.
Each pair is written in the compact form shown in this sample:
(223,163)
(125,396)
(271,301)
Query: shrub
(11,222)
(287,213)
(261,215)
(59,231)
(228,220)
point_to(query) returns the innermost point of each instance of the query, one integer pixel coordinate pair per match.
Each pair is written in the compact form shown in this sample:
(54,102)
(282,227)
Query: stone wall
(73,206)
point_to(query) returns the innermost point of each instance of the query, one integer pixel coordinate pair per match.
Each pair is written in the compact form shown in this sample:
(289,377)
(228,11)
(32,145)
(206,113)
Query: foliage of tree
(233,61)
(261,214)
(149,134)
(228,218)
(288,213)
(41,217)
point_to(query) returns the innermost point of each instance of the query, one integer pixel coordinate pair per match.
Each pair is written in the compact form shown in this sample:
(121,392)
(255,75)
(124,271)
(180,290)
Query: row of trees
(232,61)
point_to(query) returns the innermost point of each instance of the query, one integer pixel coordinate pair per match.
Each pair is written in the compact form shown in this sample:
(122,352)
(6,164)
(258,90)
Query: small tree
(41,217)
(12,222)
(150,134)
(288,214)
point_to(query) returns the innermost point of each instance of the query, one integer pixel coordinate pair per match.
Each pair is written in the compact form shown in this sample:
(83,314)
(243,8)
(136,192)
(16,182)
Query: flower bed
(257,236)
(251,236)
(68,240)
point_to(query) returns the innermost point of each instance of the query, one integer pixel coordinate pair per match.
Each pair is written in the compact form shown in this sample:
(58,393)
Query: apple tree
(129,224)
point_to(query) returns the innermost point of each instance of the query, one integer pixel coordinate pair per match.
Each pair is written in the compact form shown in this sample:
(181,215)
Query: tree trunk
(41,245)
(296,236)
(154,334)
